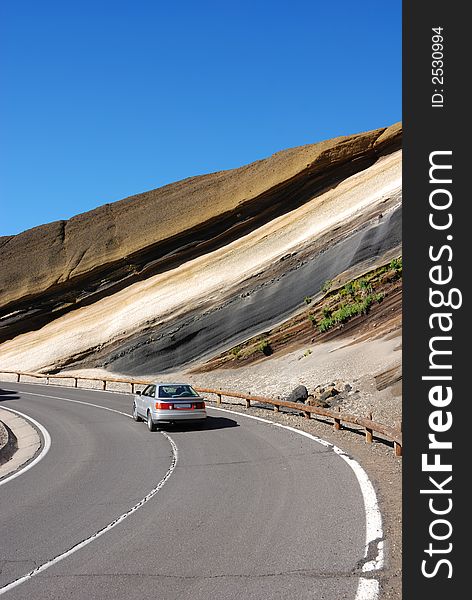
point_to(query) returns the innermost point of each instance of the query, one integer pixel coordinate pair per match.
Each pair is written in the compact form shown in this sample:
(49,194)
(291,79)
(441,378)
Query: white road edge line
(117,521)
(40,456)
(368,589)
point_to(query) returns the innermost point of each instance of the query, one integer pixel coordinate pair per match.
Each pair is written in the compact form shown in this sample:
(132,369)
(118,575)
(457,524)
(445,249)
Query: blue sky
(105,99)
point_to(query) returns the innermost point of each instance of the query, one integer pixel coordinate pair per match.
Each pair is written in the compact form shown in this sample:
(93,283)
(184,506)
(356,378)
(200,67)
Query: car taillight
(164,406)
(199,405)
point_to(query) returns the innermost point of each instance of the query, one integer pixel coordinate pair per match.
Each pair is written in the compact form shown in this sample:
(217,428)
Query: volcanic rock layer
(168,277)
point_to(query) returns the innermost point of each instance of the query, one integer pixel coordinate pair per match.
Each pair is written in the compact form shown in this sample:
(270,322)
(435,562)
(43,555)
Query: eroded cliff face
(163,278)
(51,269)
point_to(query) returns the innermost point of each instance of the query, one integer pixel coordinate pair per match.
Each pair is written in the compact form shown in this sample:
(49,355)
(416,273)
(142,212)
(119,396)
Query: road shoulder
(22,445)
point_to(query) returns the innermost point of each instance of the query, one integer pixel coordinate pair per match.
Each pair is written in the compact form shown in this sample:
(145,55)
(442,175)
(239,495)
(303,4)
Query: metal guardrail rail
(338,417)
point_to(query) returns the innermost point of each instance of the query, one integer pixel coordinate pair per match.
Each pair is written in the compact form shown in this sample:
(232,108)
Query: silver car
(168,403)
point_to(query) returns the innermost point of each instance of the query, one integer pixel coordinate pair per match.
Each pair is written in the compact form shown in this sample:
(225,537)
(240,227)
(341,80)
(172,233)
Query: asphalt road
(239,509)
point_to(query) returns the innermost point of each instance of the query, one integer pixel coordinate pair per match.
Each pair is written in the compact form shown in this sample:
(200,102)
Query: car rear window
(177,391)
(149,390)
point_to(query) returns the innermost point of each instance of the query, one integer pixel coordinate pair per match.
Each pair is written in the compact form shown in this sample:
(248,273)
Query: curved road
(238,509)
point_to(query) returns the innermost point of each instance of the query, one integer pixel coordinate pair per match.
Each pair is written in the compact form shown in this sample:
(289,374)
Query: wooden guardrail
(338,417)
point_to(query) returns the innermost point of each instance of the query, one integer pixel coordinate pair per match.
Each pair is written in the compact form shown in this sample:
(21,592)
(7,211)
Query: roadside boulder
(329,393)
(299,394)
(312,401)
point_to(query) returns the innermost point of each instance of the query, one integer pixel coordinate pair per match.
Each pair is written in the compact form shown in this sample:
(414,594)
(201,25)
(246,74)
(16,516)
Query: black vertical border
(428,129)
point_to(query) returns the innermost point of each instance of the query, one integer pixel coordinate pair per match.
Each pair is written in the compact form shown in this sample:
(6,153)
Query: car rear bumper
(178,415)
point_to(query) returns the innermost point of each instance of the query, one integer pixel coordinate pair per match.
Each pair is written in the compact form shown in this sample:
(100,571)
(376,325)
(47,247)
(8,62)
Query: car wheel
(150,424)
(136,417)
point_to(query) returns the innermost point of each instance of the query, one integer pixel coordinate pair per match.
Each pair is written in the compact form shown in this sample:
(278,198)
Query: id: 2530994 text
(437,67)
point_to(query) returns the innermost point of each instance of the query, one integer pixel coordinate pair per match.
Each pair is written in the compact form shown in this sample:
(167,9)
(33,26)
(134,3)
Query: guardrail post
(18,377)
(248,403)
(47,380)
(397,449)
(104,386)
(337,422)
(132,388)
(307,414)
(75,381)
(369,432)
(276,408)
(218,399)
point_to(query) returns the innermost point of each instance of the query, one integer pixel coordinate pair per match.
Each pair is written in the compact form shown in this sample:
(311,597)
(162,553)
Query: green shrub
(365,285)
(326,312)
(307,299)
(365,305)
(325,324)
(396,264)
(265,347)
(345,312)
(312,319)
(326,286)
(349,289)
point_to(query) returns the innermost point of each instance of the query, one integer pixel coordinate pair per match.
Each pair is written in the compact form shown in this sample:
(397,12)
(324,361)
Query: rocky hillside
(177,275)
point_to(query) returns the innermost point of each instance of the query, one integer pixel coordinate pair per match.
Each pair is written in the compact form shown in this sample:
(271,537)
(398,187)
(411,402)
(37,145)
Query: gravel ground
(355,364)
